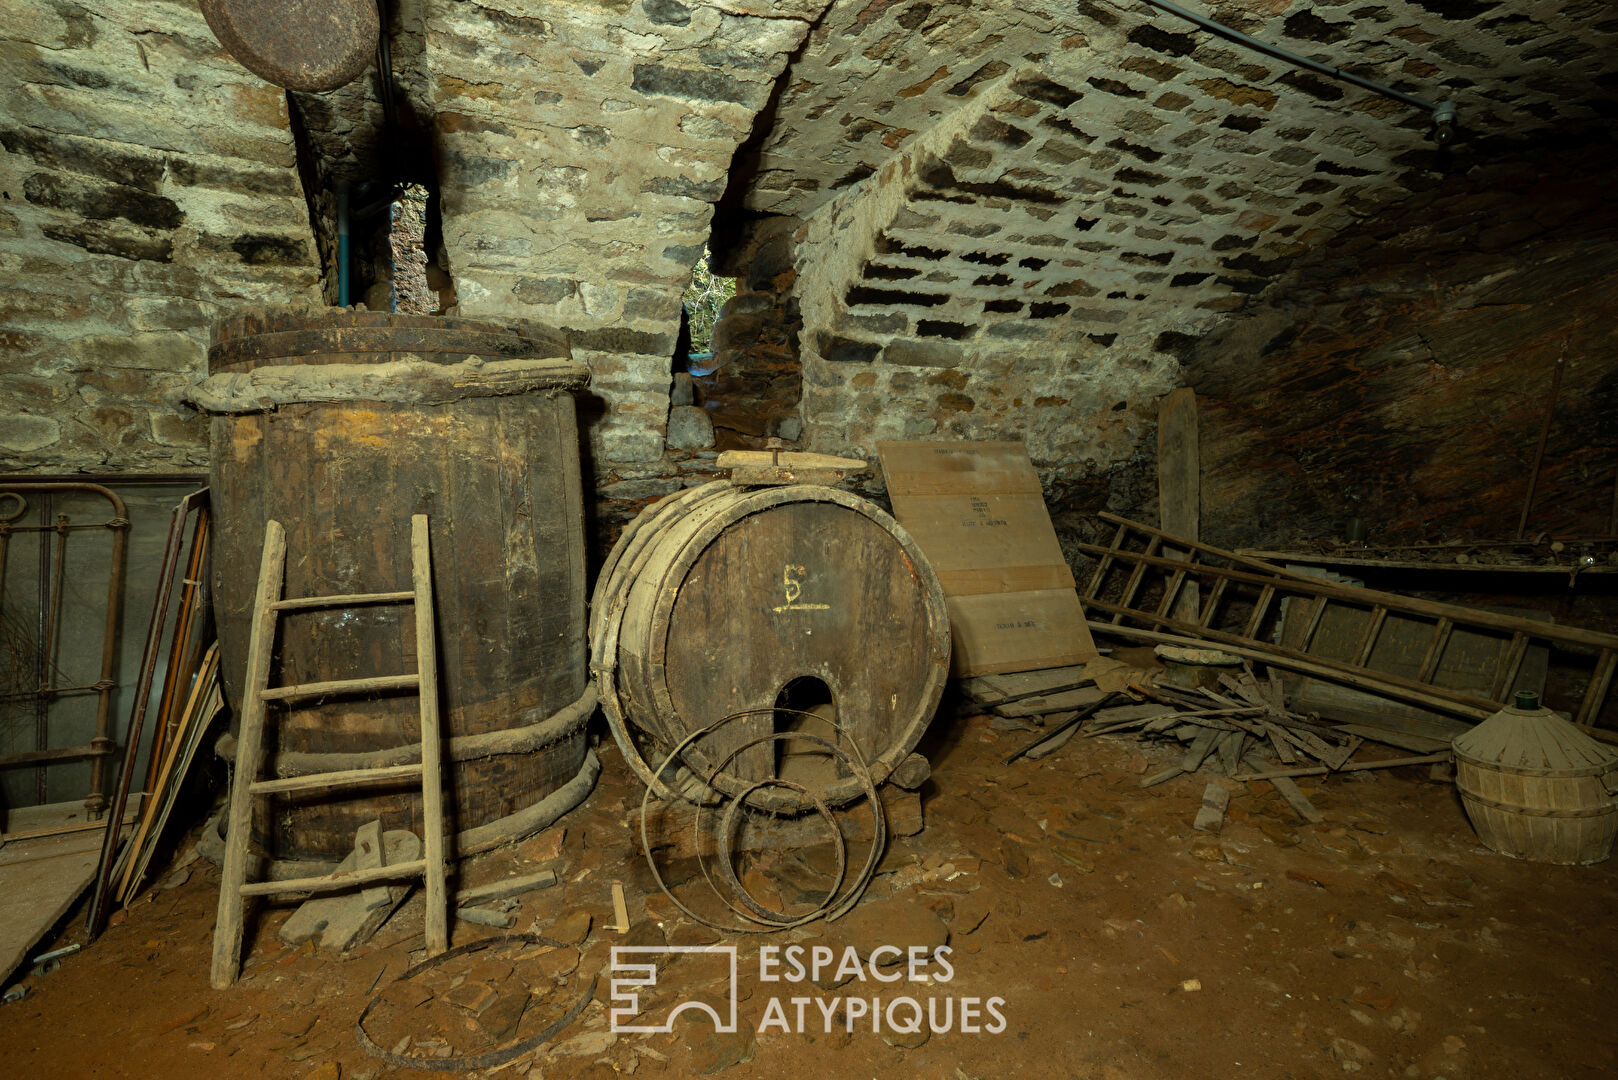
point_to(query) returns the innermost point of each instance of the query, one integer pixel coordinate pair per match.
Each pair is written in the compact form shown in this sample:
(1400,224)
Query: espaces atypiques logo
(634,969)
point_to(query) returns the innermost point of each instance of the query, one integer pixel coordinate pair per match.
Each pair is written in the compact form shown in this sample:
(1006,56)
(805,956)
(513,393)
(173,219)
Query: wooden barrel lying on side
(341,425)
(772,602)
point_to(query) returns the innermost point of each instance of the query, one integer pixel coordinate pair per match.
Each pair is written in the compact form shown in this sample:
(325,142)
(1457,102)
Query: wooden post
(1179,483)
(432,778)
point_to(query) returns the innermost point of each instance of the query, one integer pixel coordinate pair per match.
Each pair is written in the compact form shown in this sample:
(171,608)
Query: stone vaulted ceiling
(1006,218)
(1011,213)
(876,74)
(1018,206)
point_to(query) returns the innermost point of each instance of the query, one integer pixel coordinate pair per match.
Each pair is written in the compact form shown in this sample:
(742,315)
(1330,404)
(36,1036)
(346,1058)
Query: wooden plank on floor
(1012,683)
(1403,740)
(344,920)
(1198,751)
(1229,750)
(1296,799)
(39,882)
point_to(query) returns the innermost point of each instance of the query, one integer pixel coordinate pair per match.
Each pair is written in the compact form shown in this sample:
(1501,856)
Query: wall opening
(409,280)
(741,366)
(701,305)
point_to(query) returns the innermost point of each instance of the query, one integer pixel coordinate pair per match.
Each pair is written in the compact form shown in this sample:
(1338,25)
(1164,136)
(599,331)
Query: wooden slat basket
(1538,788)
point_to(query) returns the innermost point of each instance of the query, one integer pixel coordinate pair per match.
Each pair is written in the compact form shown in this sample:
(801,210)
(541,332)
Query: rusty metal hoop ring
(738,803)
(472,1062)
(727,868)
(856,765)
(22,507)
(830,910)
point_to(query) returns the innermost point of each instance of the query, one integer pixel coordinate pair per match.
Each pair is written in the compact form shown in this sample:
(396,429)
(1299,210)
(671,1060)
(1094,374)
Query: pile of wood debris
(1241,730)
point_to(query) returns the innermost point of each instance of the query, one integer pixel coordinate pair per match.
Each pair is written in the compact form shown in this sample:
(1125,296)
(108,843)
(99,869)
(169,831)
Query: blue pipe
(342,243)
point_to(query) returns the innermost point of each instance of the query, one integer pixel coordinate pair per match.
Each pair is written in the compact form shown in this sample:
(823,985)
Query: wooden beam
(1179,485)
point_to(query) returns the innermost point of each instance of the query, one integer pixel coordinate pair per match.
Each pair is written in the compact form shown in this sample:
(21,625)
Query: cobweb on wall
(19,665)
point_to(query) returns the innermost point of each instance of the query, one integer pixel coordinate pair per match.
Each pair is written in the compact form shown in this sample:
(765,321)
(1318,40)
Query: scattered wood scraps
(1243,730)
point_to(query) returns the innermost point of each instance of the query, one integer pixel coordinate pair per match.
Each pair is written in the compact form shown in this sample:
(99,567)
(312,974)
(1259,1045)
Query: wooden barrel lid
(311,45)
(307,336)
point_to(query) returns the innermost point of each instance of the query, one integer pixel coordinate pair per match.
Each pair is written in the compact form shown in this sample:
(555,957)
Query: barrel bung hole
(797,707)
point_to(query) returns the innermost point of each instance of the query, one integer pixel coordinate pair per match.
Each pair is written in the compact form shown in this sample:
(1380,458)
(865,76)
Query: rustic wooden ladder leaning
(1143,607)
(234,889)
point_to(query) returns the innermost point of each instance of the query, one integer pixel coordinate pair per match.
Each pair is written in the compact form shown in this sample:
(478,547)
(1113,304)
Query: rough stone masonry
(582,151)
(147,186)
(1006,219)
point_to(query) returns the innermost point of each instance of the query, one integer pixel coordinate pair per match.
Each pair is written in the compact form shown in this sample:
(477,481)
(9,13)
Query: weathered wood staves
(344,463)
(722,600)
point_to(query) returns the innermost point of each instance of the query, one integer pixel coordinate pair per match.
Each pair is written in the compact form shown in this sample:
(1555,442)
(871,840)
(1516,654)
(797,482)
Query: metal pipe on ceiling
(1443,111)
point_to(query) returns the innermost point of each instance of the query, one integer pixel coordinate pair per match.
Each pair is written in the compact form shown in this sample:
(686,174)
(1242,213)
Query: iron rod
(42,703)
(1291,57)
(63,753)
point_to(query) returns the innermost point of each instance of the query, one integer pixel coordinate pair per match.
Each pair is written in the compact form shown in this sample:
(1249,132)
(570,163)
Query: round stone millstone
(311,45)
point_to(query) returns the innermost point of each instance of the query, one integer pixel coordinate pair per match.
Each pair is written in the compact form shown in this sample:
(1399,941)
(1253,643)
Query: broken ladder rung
(348,778)
(297,603)
(329,882)
(341,686)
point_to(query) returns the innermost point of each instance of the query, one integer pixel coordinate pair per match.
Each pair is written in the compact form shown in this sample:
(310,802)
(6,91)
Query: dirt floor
(1385,941)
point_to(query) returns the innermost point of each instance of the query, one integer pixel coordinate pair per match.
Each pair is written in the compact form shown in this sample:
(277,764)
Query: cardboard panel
(986,543)
(978,513)
(1022,631)
(958,468)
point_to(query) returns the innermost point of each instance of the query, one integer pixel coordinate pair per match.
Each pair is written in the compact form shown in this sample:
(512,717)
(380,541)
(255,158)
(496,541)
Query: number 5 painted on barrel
(792,586)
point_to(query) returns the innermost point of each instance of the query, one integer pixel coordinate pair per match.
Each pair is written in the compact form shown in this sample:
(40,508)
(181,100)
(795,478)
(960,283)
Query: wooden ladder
(234,887)
(1138,554)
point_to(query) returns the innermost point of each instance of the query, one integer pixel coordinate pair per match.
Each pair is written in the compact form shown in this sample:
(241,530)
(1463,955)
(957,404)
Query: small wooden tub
(1536,787)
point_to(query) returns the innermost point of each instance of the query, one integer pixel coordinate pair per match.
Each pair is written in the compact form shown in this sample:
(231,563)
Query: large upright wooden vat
(341,425)
(722,600)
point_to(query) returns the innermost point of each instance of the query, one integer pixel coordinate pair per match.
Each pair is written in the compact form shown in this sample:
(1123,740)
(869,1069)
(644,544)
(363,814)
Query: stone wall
(1013,215)
(1401,374)
(581,150)
(753,391)
(984,221)
(1011,271)
(147,186)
